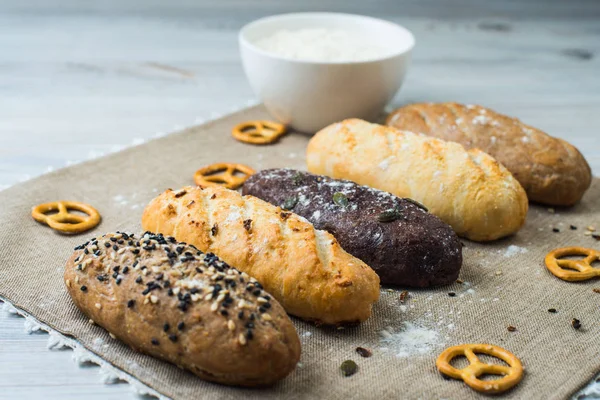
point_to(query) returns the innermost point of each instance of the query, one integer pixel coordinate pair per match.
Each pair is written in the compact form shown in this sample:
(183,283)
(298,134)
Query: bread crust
(170,301)
(469,190)
(305,269)
(551,170)
(411,248)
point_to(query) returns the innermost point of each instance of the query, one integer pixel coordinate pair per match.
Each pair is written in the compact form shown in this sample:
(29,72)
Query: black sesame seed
(115,274)
(86,251)
(451,294)
(130,243)
(100,278)
(194,290)
(119,280)
(135,251)
(252,317)
(249,325)
(576,323)
(552,310)
(167,284)
(170,292)
(113,239)
(120,241)
(262,310)
(83,288)
(183,306)
(125,270)
(573,227)
(155,342)
(173,338)
(116,268)
(160,276)
(241,315)
(256,292)
(249,334)
(166,327)
(138,279)
(107,244)
(115,247)
(130,303)
(224,313)
(97,253)
(180,326)
(267,305)
(135,264)
(146,291)
(198,270)
(555,230)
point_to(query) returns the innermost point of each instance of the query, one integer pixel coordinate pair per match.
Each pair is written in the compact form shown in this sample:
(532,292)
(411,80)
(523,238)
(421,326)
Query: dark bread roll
(396,237)
(176,303)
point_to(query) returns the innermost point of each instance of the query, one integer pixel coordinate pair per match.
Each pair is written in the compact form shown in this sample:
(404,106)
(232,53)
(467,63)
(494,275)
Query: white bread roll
(469,190)
(305,269)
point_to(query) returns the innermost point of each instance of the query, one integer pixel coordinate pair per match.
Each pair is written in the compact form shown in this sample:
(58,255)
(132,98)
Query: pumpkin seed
(349,368)
(297,178)
(416,203)
(290,203)
(389,215)
(340,199)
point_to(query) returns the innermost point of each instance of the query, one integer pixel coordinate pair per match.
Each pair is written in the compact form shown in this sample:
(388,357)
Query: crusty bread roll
(173,302)
(399,239)
(551,170)
(469,190)
(305,269)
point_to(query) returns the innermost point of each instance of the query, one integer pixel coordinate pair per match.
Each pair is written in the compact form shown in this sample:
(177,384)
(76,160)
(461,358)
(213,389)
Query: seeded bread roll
(551,170)
(305,269)
(173,302)
(469,190)
(399,239)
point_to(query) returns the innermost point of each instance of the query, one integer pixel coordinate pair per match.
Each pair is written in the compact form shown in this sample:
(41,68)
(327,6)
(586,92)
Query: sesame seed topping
(166,327)
(231,325)
(154,342)
(83,288)
(154,299)
(98,306)
(242,339)
(173,338)
(180,326)
(130,303)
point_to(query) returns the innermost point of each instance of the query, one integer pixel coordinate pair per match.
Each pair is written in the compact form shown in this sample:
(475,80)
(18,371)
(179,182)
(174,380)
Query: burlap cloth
(503,285)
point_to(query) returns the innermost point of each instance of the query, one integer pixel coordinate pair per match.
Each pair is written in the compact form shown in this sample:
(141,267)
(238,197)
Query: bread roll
(399,239)
(173,302)
(469,190)
(305,269)
(550,170)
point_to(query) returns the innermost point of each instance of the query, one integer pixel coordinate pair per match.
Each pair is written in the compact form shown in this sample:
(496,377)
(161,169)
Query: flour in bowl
(320,44)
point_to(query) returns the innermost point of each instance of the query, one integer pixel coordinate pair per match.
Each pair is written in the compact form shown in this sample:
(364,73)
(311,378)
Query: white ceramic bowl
(309,95)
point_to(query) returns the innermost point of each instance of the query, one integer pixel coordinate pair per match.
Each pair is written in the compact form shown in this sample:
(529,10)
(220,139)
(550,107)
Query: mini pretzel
(223,174)
(258,132)
(573,270)
(470,375)
(63,221)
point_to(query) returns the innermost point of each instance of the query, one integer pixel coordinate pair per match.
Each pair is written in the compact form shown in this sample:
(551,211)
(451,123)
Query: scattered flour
(410,340)
(513,250)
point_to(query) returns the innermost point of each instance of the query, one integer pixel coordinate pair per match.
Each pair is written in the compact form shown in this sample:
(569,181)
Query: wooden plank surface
(80,79)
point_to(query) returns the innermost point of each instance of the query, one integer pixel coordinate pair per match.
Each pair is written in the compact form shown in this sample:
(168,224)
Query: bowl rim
(244,41)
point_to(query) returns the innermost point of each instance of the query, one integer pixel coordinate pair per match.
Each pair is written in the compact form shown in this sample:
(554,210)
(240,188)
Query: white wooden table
(78,81)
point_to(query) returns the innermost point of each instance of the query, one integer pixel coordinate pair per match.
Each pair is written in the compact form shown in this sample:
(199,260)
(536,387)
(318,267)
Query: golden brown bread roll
(305,269)
(171,301)
(469,190)
(551,170)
